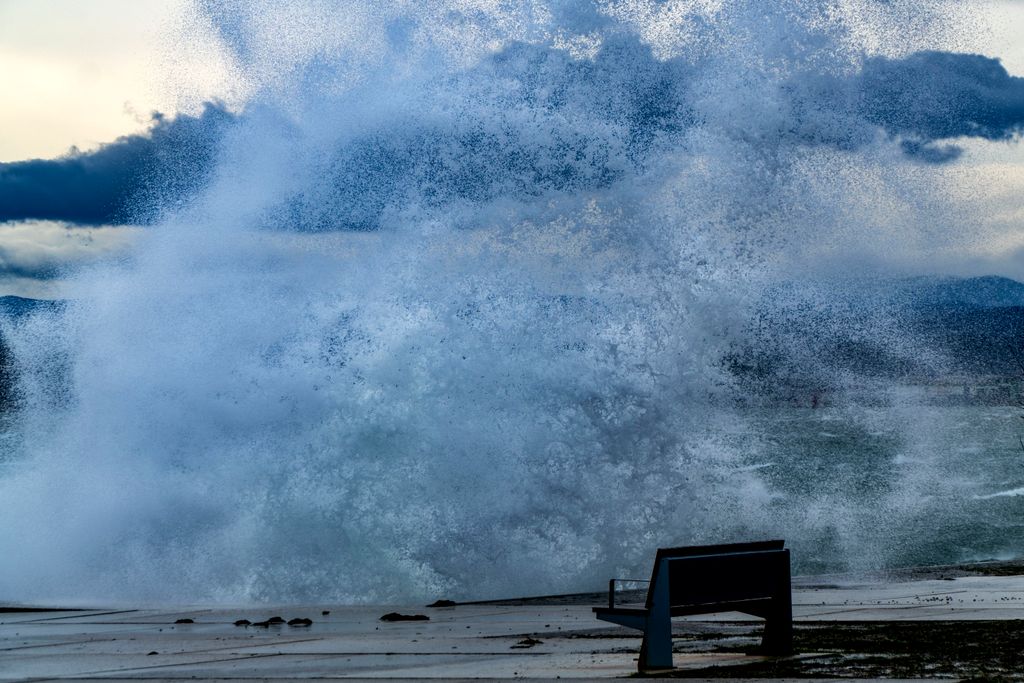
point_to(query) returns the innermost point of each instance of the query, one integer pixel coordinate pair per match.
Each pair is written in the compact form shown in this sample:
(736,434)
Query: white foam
(1010,493)
(513,383)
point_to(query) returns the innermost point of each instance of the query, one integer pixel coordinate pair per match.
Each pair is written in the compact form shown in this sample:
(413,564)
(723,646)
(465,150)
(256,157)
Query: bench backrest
(720,573)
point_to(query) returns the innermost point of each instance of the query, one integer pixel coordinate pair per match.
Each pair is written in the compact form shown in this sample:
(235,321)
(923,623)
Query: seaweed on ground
(980,650)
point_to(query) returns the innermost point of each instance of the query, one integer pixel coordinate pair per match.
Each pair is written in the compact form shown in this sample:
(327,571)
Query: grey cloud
(931,96)
(593,122)
(526,122)
(121,182)
(920,101)
(931,153)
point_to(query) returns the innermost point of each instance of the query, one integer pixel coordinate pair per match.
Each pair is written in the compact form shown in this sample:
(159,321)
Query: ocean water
(896,485)
(450,314)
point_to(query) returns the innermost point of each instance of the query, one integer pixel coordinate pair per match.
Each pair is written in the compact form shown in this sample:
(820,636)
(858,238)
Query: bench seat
(751,578)
(754,607)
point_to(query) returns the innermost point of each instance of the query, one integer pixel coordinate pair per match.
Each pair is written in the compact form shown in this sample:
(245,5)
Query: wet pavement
(471,641)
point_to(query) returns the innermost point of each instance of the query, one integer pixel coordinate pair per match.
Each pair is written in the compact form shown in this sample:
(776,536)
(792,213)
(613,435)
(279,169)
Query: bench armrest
(611,588)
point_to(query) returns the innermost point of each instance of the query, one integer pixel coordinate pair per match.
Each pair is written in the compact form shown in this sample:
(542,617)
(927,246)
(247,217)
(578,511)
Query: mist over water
(450,314)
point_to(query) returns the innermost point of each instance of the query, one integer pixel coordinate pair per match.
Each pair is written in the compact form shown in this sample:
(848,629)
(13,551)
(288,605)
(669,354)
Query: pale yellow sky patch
(81,73)
(1006,19)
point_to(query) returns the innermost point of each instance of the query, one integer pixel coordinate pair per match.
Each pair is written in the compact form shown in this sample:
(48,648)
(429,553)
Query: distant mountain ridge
(826,335)
(17,306)
(987,291)
(990,291)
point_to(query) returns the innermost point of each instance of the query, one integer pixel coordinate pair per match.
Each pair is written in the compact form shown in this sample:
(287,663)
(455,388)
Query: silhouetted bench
(752,578)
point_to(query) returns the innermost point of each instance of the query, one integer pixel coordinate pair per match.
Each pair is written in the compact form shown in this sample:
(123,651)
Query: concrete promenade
(516,639)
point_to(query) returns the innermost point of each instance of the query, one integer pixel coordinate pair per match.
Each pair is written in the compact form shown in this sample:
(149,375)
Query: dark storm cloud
(922,102)
(931,153)
(526,122)
(932,96)
(121,182)
(531,121)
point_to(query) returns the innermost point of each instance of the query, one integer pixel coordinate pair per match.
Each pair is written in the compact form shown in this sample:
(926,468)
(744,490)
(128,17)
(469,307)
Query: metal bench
(752,578)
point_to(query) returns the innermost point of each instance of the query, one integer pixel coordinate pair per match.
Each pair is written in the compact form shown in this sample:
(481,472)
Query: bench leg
(656,649)
(778,628)
(778,636)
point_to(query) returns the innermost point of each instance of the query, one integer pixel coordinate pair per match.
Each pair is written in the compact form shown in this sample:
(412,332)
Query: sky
(76,75)
(88,71)
(83,73)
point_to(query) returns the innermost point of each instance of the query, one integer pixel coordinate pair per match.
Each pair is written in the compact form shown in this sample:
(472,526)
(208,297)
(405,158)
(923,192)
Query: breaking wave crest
(451,313)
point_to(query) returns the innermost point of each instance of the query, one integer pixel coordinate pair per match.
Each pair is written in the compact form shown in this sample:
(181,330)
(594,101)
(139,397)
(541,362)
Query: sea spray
(452,312)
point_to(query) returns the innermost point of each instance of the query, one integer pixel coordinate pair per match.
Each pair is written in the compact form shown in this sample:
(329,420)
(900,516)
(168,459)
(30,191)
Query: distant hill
(825,336)
(990,291)
(899,293)
(17,306)
(977,292)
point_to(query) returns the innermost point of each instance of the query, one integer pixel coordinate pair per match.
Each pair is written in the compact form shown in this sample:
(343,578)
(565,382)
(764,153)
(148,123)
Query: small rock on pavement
(395,616)
(443,603)
(526,642)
